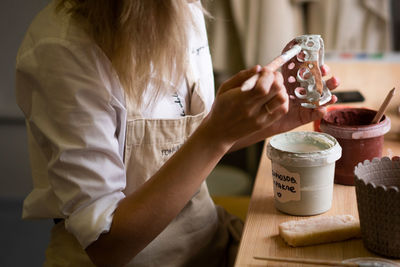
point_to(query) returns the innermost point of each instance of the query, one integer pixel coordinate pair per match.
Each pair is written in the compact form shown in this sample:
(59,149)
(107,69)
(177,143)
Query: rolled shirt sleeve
(75,116)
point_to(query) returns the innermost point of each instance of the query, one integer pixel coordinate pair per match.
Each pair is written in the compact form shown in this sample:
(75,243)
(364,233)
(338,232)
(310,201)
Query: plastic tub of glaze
(303,165)
(359,139)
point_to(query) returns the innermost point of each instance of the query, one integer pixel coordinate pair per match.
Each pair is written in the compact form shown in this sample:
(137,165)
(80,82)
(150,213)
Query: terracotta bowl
(378,199)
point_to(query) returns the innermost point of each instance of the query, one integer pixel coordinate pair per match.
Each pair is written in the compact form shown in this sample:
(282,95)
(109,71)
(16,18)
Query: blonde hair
(145,40)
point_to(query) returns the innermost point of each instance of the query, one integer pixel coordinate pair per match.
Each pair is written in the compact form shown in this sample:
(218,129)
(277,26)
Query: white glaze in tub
(303,165)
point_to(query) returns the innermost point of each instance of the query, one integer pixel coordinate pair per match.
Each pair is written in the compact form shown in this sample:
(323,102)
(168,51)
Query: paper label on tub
(286,184)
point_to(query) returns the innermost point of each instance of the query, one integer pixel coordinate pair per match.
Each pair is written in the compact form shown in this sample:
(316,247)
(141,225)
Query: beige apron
(201,235)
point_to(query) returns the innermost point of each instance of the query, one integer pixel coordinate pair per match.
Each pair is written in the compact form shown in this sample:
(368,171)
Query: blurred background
(245,33)
(242,33)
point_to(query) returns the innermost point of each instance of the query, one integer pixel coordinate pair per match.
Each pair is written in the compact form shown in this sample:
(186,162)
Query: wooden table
(261,236)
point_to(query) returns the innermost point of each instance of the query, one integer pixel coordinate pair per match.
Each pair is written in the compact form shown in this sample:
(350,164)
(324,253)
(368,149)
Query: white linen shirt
(76,117)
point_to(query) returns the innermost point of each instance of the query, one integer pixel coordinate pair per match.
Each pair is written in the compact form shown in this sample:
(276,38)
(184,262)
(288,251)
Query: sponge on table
(319,230)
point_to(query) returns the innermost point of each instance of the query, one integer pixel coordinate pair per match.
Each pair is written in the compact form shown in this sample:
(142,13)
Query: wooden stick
(308,261)
(383,107)
(274,65)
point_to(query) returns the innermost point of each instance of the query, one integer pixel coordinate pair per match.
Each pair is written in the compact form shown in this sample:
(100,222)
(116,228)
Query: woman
(123,130)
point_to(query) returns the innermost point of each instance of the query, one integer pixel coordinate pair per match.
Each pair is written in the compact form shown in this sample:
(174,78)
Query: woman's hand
(236,114)
(295,117)
(299,115)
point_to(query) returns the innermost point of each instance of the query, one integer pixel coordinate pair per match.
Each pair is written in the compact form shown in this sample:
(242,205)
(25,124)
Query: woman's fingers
(238,79)
(248,111)
(332,101)
(332,83)
(274,110)
(262,88)
(268,84)
(273,100)
(325,70)
(268,94)
(278,99)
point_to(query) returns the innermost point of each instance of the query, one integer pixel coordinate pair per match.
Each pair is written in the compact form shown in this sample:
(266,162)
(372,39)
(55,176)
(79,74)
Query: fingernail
(258,68)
